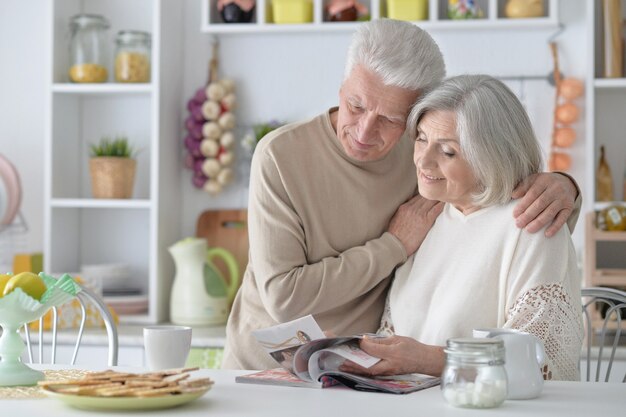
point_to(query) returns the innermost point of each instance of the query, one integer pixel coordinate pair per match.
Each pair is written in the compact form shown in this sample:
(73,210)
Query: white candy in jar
(481,394)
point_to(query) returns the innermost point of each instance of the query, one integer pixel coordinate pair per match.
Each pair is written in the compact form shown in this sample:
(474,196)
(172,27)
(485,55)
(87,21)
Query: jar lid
(475,347)
(86,20)
(133,36)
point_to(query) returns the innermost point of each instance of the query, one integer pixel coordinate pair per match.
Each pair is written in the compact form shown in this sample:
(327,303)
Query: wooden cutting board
(226,229)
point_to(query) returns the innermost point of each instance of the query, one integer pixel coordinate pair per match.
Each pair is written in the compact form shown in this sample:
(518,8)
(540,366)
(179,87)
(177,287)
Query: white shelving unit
(606,124)
(606,112)
(437,18)
(79,229)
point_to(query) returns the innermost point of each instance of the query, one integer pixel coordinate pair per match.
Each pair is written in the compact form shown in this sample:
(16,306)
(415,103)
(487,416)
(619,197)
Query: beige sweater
(317,223)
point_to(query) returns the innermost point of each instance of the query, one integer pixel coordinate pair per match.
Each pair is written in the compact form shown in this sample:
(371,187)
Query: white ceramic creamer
(524,356)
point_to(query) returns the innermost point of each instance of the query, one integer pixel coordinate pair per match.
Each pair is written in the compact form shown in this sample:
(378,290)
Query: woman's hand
(400,355)
(413,221)
(546,198)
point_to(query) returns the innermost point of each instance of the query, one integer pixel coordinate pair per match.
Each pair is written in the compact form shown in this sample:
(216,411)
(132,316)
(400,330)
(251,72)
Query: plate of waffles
(113,390)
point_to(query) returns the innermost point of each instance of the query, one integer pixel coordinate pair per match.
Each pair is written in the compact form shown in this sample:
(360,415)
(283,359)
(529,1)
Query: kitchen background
(285,75)
(281,73)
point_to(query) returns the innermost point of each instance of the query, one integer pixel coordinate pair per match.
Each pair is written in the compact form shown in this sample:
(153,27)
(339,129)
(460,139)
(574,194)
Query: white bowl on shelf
(109,275)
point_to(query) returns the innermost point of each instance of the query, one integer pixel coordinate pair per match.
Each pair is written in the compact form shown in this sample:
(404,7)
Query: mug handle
(233,270)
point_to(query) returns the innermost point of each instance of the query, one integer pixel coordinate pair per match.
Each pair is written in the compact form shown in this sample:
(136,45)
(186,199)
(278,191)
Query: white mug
(166,347)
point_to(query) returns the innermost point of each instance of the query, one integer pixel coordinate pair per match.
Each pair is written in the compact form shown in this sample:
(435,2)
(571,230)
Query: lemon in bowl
(30,283)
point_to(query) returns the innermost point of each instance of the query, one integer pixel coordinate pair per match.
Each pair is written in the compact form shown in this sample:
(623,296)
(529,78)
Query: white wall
(286,76)
(22,64)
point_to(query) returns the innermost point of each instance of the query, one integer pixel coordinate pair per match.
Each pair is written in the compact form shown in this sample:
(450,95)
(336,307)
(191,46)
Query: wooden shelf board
(615,236)
(609,277)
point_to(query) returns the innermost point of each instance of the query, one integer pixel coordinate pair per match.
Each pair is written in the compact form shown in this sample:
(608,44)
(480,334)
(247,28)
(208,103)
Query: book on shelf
(309,359)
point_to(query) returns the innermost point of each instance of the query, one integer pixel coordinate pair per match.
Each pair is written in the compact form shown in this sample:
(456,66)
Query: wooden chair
(611,304)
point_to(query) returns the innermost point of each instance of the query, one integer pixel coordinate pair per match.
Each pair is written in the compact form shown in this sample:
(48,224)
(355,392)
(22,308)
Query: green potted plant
(112,167)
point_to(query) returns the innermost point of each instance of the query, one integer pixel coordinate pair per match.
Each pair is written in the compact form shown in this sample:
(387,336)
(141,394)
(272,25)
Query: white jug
(200,294)
(524,356)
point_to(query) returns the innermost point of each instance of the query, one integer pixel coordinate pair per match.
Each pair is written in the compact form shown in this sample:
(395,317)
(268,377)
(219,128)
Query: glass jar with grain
(88,49)
(132,57)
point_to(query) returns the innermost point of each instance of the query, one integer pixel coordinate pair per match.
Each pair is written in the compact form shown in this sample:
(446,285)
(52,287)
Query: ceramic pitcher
(523,360)
(200,294)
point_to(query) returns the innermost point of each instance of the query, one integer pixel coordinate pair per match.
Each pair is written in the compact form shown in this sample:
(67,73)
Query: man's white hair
(402,54)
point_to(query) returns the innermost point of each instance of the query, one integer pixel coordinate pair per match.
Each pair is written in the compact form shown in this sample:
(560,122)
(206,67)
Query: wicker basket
(112,177)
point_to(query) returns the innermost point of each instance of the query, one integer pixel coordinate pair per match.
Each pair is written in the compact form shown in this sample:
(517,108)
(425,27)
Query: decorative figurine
(236,11)
(345,10)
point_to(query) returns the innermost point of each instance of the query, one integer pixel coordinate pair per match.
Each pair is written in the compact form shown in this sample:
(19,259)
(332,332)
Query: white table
(227,398)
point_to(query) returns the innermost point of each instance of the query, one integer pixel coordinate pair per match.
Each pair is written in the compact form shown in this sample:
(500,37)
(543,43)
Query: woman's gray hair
(402,54)
(497,138)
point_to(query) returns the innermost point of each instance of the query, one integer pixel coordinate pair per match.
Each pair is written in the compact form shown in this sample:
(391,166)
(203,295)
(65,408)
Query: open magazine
(310,359)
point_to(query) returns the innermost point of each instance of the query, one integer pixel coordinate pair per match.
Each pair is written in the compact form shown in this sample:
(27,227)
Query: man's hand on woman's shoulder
(545,199)
(413,220)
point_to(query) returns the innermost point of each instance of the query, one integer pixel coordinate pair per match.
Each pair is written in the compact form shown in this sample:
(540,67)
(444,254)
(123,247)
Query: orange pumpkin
(567,113)
(559,161)
(571,88)
(564,137)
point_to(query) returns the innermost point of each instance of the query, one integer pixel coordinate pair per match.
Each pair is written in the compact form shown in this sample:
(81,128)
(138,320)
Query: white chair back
(604,315)
(83,297)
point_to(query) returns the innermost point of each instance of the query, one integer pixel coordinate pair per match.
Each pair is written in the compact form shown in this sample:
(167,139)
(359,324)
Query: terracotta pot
(112,177)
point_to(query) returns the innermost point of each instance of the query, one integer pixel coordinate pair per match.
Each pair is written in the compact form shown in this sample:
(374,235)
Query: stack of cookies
(120,384)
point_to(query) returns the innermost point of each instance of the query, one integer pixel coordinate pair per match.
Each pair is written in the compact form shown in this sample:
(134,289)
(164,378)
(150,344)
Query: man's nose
(367,127)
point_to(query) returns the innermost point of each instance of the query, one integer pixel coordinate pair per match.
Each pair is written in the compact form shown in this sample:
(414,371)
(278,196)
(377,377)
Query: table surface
(228,398)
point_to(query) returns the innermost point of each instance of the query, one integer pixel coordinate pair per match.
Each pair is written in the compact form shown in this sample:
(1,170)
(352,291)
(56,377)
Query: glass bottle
(132,57)
(624,186)
(604,180)
(88,52)
(474,374)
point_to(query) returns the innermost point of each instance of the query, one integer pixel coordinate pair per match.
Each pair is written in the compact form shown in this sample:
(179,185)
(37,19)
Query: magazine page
(326,355)
(396,384)
(282,341)
(281,376)
(330,355)
(312,360)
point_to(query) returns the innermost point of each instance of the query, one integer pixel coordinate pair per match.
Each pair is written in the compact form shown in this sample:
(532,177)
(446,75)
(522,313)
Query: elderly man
(329,218)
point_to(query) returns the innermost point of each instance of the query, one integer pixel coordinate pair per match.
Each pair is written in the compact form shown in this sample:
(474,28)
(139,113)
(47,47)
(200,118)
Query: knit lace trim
(547,312)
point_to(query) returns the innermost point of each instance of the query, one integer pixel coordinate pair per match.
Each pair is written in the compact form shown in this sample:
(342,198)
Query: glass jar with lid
(132,57)
(474,374)
(88,49)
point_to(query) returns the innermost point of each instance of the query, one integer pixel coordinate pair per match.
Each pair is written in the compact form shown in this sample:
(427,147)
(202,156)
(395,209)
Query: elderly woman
(476,269)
